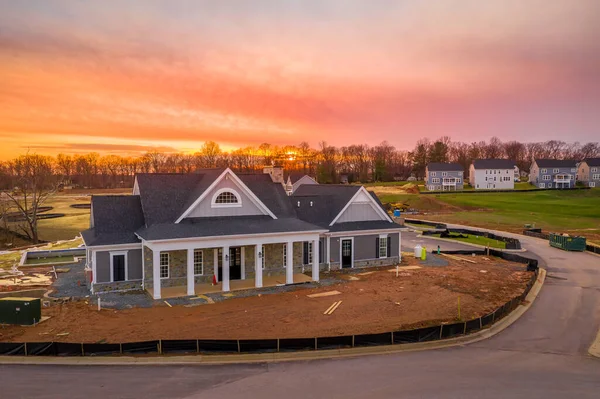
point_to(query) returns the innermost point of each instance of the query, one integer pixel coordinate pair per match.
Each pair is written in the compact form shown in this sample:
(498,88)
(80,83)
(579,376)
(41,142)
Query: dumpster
(22,311)
(567,242)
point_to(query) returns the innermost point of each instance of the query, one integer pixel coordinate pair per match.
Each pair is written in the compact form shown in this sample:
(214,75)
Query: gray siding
(134,264)
(359,212)
(102,267)
(546,176)
(434,179)
(365,246)
(204,209)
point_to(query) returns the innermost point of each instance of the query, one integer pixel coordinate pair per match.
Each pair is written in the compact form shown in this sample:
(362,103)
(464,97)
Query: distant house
(493,174)
(295,180)
(588,172)
(444,176)
(553,173)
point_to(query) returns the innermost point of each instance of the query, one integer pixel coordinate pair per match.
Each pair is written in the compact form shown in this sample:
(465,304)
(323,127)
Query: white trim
(160,253)
(115,246)
(352,247)
(363,232)
(292,234)
(113,253)
(136,187)
(243,262)
(93,268)
(385,238)
(238,204)
(228,172)
(194,261)
(372,201)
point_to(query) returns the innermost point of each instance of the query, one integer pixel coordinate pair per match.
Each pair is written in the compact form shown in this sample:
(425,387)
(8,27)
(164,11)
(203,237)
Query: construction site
(416,293)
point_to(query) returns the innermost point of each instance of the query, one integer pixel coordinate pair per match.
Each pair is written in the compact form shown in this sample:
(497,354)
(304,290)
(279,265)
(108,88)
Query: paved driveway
(543,355)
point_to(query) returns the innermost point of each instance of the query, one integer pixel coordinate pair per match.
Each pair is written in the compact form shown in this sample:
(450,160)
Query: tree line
(329,164)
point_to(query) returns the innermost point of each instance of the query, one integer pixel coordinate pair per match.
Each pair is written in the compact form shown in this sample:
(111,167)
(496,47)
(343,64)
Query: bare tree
(35,184)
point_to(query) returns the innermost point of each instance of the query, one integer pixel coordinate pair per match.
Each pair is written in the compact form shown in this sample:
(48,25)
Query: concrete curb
(470,244)
(292,356)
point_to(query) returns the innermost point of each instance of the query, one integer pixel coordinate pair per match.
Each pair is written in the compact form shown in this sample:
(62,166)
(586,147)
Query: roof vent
(311,203)
(298,204)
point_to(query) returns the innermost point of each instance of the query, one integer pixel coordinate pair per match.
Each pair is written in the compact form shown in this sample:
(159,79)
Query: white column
(225,277)
(156,273)
(289,265)
(399,247)
(258,272)
(328,253)
(190,272)
(243,262)
(315,263)
(216,263)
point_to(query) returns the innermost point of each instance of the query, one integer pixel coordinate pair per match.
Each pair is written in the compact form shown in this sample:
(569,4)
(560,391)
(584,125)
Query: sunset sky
(124,76)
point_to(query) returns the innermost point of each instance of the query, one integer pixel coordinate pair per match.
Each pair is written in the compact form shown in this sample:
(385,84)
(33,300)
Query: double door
(235,263)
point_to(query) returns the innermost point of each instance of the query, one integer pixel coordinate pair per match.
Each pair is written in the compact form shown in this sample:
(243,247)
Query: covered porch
(176,268)
(234,285)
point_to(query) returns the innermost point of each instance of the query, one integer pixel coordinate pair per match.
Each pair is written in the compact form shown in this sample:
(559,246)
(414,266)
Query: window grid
(284,255)
(198,262)
(164,265)
(383,247)
(226,197)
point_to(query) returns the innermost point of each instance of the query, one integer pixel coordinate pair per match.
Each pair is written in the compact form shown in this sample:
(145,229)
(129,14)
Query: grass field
(573,212)
(472,239)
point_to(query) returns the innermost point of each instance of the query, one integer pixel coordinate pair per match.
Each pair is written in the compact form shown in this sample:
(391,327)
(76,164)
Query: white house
(493,174)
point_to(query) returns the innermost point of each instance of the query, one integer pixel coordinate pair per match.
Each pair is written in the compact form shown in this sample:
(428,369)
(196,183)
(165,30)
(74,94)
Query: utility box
(567,242)
(21,311)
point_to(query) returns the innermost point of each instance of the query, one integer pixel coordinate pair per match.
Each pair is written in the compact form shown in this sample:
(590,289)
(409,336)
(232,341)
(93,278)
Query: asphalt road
(542,355)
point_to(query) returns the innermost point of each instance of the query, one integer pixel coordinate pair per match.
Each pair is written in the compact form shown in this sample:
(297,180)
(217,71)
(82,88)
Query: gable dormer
(362,207)
(226,196)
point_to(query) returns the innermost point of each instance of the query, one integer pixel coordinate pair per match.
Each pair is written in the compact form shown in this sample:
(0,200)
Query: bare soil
(377,302)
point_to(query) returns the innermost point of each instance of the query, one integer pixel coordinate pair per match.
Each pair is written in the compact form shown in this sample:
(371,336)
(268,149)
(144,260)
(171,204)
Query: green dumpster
(567,242)
(22,311)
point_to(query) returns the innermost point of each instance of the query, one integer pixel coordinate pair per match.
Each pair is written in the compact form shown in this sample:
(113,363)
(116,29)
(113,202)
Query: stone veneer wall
(370,263)
(148,263)
(118,286)
(208,261)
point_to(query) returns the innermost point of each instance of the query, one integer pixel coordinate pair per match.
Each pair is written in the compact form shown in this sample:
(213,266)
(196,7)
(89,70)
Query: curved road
(542,355)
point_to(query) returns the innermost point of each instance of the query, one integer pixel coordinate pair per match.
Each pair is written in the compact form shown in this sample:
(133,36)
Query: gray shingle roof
(116,218)
(444,167)
(327,201)
(222,226)
(365,225)
(271,194)
(556,163)
(592,161)
(494,164)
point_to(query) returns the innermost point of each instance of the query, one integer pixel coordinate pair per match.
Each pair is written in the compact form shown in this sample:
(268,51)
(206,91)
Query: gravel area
(71,283)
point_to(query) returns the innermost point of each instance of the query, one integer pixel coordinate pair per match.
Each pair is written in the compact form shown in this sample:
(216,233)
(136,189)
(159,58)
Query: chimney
(276,173)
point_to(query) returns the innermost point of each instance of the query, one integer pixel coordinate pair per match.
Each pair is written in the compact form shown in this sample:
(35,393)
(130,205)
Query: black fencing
(511,243)
(532,264)
(425,223)
(592,248)
(204,346)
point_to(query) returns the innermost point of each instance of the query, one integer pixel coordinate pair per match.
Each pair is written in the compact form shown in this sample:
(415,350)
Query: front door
(346,253)
(118,267)
(235,263)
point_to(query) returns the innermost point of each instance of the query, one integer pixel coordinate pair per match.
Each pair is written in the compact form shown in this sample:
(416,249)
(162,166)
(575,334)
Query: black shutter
(377,248)
(305,253)
(321,249)
(389,246)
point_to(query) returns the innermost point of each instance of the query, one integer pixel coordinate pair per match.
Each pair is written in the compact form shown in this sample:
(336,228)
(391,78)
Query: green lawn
(472,239)
(393,183)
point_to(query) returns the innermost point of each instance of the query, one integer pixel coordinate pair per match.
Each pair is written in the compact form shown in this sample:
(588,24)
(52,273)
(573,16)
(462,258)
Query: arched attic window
(226,198)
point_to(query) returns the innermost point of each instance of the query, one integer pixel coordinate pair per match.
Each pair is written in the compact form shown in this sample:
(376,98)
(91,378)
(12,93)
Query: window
(460,173)
(164,265)
(555,170)
(444,174)
(542,185)
(383,247)
(546,177)
(262,259)
(219,257)
(458,179)
(198,262)
(594,170)
(226,198)
(435,180)
(596,177)
(573,170)
(284,255)
(432,174)
(544,170)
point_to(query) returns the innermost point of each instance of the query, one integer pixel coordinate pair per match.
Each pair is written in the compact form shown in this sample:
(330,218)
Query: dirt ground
(377,302)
